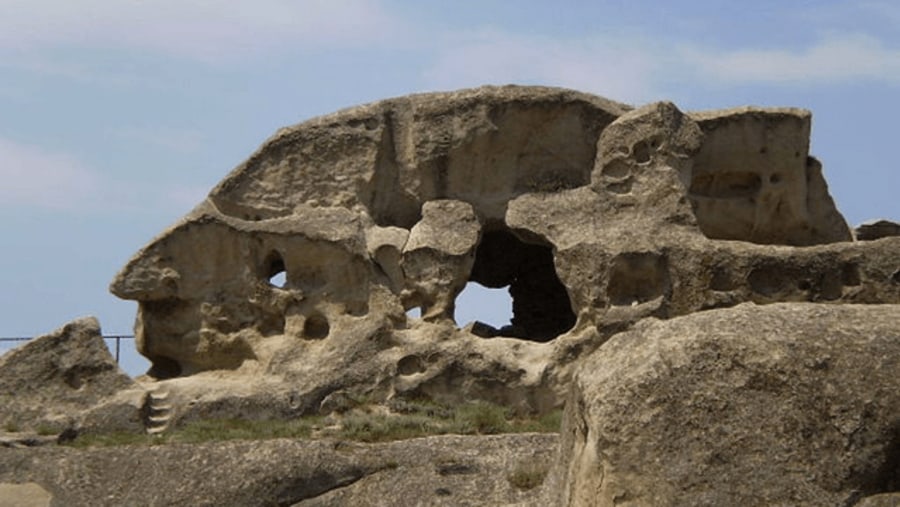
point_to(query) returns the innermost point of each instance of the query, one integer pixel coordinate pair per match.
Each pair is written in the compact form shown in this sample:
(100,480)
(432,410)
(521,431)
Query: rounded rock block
(438,257)
(784,404)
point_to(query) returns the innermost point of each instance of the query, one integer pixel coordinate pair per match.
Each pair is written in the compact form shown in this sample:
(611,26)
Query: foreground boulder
(448,470)
(50,380)
(787,404)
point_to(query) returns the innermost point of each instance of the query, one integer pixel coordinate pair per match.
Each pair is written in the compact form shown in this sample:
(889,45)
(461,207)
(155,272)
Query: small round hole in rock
(410,365)
(316,327)
(641,152)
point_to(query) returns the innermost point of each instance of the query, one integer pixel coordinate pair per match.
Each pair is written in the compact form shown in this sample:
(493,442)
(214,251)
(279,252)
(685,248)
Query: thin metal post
(118,338)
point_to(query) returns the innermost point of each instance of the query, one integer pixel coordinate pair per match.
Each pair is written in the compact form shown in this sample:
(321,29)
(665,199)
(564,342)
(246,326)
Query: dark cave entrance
(541,309)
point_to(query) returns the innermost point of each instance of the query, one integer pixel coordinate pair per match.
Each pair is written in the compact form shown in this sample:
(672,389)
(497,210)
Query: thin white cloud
(636,69)
(834,59)
(36,178)
(210,30)
(606,66)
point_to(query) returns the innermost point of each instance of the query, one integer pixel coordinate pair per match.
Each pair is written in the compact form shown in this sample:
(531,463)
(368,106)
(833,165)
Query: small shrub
(11,427)
(383,428)
(528,475)
(206,430)
(545,423)
(45,430)
(482,418)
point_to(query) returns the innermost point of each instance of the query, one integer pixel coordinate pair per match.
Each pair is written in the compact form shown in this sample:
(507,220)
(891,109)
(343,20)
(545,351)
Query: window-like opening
(274,271)
(487,310)
(278,279)
(541,309)
(414,312)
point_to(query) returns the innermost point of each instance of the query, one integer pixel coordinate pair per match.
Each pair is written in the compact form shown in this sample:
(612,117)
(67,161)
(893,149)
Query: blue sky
(117,116)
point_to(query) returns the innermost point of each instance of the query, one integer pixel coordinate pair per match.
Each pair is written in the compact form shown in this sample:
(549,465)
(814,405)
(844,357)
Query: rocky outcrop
(447,470)
(51,379)
(877,229)
(593,214)
(24,495)
(754,180)
(785,404)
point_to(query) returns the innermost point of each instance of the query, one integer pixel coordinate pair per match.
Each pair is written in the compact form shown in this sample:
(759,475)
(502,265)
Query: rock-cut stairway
(159,411)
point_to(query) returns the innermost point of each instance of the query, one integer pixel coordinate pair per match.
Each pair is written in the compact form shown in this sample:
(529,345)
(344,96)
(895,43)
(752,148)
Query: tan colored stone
(438,256)
(753,179)
(448,470)
(27,494)
(47,382)
(785,404)
(592,214)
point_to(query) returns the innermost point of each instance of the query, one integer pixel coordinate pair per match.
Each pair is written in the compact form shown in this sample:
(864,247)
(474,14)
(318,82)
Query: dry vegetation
(364,423)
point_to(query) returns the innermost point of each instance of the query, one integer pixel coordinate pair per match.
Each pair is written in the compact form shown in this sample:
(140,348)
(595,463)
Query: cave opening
(541,309)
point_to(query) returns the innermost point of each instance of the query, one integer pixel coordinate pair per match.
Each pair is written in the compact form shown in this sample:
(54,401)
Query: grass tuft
(528,475)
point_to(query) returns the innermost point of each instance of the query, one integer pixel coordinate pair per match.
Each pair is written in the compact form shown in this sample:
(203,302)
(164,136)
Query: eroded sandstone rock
(46,383)
(877,229)
(785,404)
(446,470)
(754,180)
(594,215)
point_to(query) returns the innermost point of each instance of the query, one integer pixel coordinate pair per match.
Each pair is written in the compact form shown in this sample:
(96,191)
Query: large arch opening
(541,309)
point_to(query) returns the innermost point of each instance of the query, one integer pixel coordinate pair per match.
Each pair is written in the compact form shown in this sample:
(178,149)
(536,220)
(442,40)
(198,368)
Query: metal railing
(117,338)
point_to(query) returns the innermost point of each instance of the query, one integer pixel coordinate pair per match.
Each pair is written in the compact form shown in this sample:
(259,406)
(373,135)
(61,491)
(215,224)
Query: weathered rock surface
(877,229)
(28,494)
(50,380)
(593,214)
(754,180)
(446,470)
(786,404)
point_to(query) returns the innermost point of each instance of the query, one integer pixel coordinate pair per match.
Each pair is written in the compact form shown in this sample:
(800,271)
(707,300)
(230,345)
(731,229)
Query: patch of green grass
(545,423)
(482,418)
(408,420)
(45,430)
(242,429)
(113,439)
(11,427)
(383,428)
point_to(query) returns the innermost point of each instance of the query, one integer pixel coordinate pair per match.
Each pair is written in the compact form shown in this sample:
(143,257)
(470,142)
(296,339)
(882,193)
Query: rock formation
(681,281)
(785,404)
(447,471)
(595,215)
(51,380)
(877,229)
